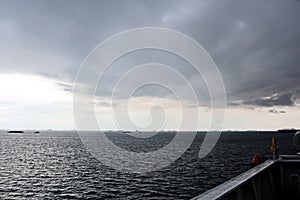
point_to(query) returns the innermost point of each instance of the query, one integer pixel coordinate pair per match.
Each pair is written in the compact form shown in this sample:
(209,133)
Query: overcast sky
(255,45)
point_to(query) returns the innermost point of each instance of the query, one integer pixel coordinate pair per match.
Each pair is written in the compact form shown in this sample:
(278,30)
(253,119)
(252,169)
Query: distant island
(15,131)
(288,130)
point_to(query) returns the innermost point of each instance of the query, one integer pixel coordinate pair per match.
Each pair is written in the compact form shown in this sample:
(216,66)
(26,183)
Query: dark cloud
(275,111)
(277,100)
(66,87)
(233,103)
(55,36)
(255,44)
(104,104)
(256,52)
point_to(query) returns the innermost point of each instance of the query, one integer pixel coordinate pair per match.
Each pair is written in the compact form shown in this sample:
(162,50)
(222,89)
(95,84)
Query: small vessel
(15,131)
(274,179)
(36,132)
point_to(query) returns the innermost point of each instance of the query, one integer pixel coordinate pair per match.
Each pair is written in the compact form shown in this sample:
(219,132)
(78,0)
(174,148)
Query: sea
(56,165)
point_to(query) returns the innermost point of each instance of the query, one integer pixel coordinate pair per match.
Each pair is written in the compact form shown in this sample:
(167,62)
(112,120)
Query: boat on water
(15,131)
(274,179)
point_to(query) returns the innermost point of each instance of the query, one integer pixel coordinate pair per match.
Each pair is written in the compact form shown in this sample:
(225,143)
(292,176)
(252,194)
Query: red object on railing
(257,159)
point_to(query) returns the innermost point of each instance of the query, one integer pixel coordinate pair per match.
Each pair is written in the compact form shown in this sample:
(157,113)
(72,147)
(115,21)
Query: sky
(255,45)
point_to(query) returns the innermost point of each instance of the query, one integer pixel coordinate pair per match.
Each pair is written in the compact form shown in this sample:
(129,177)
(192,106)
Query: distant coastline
(282,130)
(288,130)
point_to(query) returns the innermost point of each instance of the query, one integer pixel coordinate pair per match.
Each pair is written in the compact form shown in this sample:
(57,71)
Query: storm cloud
(277,100)
(255,44)
(275,111)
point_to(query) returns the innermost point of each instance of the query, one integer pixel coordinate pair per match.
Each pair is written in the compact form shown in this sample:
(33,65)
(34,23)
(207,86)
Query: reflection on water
(56,165)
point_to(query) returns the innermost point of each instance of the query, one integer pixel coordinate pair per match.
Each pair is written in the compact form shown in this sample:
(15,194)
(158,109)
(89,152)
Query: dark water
(55,165)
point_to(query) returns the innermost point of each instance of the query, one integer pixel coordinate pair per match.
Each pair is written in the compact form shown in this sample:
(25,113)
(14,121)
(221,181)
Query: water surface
(55,165)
